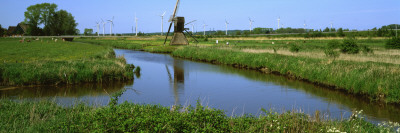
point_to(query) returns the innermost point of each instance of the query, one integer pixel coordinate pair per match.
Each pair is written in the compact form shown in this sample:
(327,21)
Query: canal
(168,81)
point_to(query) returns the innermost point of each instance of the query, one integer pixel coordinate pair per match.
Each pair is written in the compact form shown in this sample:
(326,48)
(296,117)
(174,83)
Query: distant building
(19,30)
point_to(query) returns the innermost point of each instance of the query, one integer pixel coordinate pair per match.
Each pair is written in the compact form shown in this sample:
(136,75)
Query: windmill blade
(190,22)
(171,20)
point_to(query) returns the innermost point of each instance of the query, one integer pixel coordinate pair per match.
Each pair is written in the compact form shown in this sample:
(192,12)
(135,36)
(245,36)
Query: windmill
(98,27)
(251,23)
(226,29)
(204,26)
(279,22)
(111,25)
(136,19)
(179,26)
(104,25)
(162,23)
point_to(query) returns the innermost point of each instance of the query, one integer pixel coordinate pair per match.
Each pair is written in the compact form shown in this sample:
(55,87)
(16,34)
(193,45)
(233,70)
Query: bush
(333,44)
(331,53)
(393,43)
(365,49)
(294,48)
(349,46)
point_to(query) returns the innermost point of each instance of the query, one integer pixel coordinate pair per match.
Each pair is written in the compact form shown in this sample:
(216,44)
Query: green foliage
(137,70)
(128,117)
(366,50)
(333,44)
(88,31)
(330,52)
(393,43)
(340,32)
(55,22)
(349,46)
(294,48)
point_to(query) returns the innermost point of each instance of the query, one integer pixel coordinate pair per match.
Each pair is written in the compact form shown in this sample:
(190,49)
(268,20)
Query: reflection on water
(67,94)
(169,81)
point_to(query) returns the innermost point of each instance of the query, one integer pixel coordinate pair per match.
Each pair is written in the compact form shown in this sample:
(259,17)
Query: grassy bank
(128,117)
(49,62)
(379,81)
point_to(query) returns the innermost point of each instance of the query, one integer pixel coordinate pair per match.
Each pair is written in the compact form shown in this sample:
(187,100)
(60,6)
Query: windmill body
(179,26)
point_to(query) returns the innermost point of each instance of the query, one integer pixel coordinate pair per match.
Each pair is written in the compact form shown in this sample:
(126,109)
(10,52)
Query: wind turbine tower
(331,26)
(136,23)
(192,28)
(104,26)
(204,26)
(162,23)
(111,25)
(305,26)
(98,27)
(226,24)
(279,22)
(251,23)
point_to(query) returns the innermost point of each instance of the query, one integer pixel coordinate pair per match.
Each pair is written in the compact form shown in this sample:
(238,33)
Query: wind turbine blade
(164,13)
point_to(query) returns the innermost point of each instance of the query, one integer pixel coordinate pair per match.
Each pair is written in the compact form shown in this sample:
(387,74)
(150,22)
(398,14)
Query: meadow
(46,116)
(45,61)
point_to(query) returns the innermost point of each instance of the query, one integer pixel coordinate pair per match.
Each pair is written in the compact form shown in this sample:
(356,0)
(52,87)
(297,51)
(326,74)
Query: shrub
(333,44)
(331,53)
(393,43)
(294,48)
(349,46)
(365,49)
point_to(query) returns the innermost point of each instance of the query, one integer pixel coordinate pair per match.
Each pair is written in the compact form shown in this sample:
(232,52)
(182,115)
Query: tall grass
(49,62)
(47,116)
(379,81)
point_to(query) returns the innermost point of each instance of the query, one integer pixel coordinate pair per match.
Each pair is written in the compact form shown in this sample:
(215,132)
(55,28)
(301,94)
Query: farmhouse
(19,30)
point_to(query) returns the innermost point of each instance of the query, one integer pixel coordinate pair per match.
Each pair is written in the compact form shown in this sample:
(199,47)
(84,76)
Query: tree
(1,31)
(62,23)
(88,31)
(238,33)
(48,11)
(33,19)
(326,29)
(340,32)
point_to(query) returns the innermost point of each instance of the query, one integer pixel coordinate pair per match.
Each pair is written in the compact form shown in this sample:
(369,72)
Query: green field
(48,62)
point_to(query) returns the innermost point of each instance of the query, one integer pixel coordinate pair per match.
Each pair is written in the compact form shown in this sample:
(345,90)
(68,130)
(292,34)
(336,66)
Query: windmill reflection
(178,80)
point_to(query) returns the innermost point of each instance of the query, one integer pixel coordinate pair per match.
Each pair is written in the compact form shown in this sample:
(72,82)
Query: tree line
(55,22)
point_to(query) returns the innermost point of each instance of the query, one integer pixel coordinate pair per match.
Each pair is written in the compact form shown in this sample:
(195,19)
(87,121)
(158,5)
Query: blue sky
(352,14)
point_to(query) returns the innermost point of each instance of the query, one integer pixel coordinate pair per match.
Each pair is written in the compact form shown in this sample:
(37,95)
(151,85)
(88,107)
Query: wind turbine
(136,23)
(279,22)
(251,23)
(331,26)
(226,24)
(204,26)
(104,25)
(162,23)
(305,26)
(111,25)
(193,28)
(98,27)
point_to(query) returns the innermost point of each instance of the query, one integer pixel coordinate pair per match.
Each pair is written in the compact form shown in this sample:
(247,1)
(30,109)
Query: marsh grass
(49,62)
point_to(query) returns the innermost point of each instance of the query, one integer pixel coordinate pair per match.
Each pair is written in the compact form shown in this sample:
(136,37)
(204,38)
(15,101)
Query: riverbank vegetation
(45,116)
(362,66)
(46,61)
